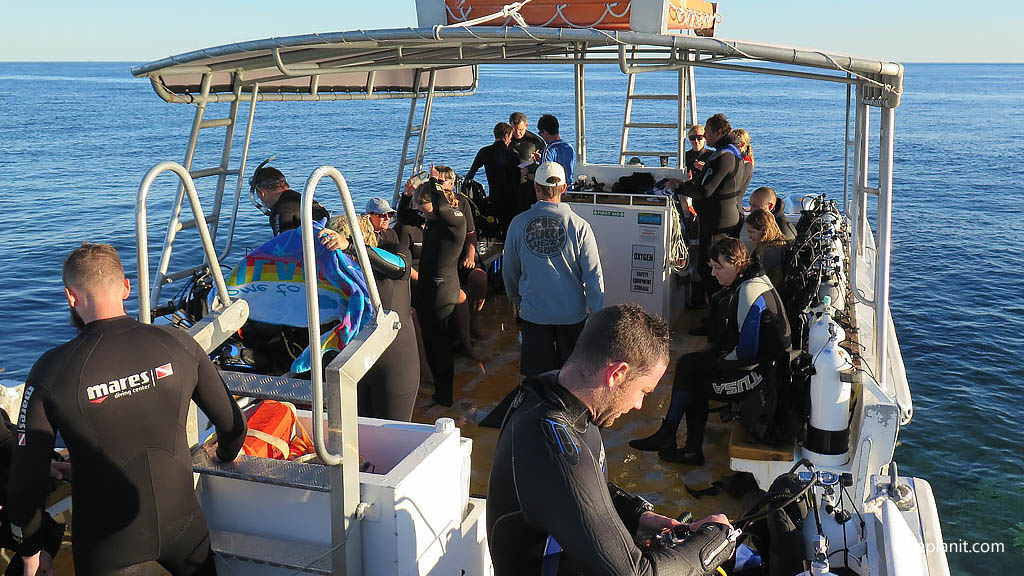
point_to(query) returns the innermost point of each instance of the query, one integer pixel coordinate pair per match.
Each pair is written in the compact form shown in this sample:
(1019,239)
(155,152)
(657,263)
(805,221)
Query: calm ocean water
(76,139)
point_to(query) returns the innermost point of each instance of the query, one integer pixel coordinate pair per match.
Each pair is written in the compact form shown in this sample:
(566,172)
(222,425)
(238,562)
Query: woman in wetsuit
(766,243)
(472,279)
(437,291)
(743,143)
(754,333)
(389,389)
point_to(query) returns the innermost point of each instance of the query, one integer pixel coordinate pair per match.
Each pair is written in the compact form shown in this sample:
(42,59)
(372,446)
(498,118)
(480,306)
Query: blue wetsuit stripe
(750,332)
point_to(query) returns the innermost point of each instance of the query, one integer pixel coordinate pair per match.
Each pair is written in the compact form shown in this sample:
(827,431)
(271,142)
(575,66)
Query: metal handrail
(313,297)
(142,237)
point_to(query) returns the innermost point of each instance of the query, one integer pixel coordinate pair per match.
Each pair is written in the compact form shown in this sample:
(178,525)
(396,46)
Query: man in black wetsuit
(280,202)
(501,164)
(550,507)
(764,198)
(714,196)
(119,395)
(522,135)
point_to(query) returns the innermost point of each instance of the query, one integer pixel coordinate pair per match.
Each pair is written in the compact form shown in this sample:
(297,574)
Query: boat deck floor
(663,483)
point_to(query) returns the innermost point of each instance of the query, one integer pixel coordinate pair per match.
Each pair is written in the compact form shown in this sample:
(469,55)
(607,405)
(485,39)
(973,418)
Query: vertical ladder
(222,171)
(417,131)
(686,104)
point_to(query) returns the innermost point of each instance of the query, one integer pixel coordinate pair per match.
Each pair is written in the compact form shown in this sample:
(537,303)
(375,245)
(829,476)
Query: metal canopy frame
(311,55)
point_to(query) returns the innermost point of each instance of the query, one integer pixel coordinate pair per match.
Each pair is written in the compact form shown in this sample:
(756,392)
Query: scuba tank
(828,432)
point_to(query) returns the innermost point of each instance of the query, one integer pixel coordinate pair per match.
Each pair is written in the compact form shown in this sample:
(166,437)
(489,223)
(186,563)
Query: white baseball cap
(550,174)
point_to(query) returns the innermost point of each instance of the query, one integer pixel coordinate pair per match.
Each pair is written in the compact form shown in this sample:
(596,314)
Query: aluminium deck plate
(299,556)
(264,471)
(265,387)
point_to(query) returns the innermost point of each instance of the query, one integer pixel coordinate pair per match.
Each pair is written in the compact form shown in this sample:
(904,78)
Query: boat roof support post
(846,153)
(859,199)
(681,117)
(581,105)
(190,151)
(884,242)
(399,181)
(241,169)
(692,89)
(225,154)
(425,125)
(860,171)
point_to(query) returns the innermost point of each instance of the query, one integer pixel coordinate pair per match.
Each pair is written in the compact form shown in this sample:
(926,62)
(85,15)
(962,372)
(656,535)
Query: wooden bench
(742,445)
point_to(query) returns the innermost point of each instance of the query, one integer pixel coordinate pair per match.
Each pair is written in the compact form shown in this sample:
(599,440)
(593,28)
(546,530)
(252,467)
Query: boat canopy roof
(386,63)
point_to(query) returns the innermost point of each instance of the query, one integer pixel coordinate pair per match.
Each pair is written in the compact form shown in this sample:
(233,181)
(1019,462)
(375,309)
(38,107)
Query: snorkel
(252,188)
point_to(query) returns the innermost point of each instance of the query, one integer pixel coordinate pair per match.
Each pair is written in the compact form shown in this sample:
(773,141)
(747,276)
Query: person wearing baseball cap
(381,213)
(552,273)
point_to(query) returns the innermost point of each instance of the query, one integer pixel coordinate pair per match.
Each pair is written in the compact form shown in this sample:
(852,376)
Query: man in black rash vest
(437,291)
(714,195)
(284,204)
(119,396)
(550,507)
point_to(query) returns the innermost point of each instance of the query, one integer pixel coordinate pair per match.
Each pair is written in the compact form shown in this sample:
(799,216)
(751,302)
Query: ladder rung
(416,128)
(216,123)
(411,160)
(186,224)
(652,125)
(649,153)
(653,96)
(217,171)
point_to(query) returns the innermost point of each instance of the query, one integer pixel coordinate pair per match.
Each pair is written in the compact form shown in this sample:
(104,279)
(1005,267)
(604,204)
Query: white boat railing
(142,237)
(342,375)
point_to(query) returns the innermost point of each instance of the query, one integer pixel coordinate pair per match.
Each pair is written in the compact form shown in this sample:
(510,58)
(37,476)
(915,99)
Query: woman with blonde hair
(767,243)
(743,143)
(390,387)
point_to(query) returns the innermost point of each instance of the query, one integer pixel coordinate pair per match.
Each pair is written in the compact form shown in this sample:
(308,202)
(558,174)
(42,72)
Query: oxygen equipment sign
(642,269)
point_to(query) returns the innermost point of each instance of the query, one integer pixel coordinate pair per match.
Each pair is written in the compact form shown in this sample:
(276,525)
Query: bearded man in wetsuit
(119,396)
(283,205)
(550,507)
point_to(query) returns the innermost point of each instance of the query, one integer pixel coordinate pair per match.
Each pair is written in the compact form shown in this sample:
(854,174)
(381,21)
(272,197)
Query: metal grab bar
(673,63)
(142,238)
(313,297)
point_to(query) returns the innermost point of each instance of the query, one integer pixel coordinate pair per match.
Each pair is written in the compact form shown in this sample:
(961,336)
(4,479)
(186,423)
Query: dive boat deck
(640,472)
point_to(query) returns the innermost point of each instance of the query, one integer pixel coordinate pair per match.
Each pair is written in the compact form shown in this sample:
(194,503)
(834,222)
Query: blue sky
(903,30)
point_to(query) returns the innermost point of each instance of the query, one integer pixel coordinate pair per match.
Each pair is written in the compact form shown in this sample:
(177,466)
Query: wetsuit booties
(663,439)
(684,455)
